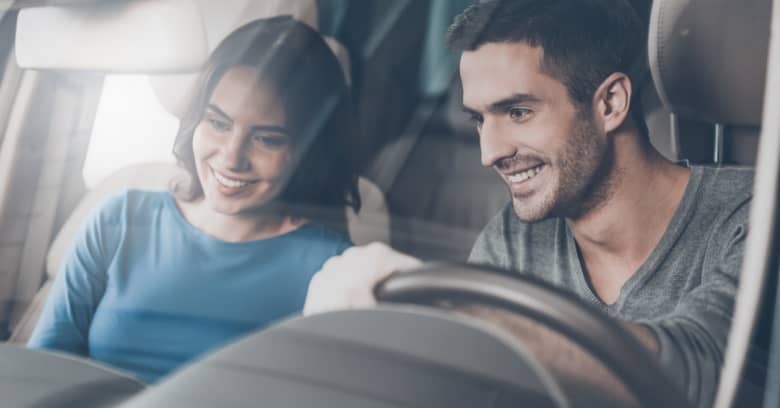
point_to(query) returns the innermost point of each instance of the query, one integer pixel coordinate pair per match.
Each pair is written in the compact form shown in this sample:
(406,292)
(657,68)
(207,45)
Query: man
(595,208)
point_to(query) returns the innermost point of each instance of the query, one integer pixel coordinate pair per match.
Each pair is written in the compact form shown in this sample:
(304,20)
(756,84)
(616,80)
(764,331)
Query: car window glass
(130,127)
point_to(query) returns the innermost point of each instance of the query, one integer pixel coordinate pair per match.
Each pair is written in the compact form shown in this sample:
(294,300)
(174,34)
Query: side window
(131,126)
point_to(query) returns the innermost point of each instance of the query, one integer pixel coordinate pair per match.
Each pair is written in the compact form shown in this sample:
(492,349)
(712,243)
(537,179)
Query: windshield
(178,175)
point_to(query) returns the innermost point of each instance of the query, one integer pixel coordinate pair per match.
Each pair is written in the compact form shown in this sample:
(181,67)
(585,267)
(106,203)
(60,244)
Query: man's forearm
(645,336)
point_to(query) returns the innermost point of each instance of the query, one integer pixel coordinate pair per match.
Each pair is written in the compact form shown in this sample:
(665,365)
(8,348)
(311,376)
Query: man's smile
(521,176)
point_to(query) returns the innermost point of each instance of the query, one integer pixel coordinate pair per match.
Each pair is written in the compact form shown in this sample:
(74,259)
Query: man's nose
(494,144)
(233,152)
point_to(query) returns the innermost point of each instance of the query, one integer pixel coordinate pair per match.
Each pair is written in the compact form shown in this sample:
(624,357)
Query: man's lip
(512,172)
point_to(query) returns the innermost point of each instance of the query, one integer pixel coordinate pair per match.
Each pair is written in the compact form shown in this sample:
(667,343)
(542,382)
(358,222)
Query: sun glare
(130,127)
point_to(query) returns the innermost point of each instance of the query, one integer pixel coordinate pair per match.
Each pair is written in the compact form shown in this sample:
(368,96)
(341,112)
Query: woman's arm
(79,285)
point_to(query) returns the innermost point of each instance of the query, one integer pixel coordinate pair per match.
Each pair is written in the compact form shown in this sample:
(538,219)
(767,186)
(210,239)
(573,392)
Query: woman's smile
(230,182)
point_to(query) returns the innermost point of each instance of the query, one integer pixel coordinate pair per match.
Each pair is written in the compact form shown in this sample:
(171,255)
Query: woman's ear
(612,101)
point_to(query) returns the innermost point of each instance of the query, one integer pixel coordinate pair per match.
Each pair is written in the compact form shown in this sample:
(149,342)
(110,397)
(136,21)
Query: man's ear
(612,101)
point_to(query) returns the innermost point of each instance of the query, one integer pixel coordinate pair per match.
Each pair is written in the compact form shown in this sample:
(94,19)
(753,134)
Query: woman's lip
(233,179)
(229,185)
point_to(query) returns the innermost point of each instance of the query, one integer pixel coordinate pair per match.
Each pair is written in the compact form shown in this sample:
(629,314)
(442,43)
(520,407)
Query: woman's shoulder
(132,203)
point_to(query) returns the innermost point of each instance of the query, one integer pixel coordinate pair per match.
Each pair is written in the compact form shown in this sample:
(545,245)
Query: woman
(157,278)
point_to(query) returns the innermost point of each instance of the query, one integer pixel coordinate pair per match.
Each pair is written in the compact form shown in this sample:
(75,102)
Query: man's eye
(218,125)
(476,119)
(519,113)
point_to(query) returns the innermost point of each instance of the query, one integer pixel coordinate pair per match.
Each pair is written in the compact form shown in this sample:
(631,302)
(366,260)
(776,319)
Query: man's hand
(347,281)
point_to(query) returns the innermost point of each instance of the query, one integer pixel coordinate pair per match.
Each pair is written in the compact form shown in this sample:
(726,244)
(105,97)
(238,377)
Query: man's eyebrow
(503,104)
(468,110)
(515,99)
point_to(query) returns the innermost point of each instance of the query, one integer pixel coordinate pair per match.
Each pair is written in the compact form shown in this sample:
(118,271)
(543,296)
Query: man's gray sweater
(685,289)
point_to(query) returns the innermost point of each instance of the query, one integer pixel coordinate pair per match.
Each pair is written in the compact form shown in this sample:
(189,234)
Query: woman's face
(242,147)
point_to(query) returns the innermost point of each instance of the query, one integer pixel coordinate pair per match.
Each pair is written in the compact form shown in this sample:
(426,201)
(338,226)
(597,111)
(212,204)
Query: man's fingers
(347,281)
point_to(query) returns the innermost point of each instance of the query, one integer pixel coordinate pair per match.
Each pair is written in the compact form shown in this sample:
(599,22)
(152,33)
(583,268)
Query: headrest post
(720,134)
(674,133)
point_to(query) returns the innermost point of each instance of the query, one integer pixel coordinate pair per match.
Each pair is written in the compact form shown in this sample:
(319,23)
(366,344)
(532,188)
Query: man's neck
(616,237)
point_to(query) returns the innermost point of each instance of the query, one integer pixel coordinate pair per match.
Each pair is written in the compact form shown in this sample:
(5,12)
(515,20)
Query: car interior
(710,94)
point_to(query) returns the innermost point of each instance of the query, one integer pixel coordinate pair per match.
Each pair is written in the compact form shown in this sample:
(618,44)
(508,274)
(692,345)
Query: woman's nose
(233,152)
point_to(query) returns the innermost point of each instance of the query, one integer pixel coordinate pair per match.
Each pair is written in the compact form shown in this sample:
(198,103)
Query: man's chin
(529,212)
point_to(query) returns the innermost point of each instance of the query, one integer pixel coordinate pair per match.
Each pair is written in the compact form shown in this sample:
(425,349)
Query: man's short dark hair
(584,41)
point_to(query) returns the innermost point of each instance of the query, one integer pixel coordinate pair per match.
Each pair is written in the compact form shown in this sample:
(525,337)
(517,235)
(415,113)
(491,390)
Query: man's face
(550,155)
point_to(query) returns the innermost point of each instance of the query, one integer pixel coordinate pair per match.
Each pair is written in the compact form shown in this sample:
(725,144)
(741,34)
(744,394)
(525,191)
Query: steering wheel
(581,323)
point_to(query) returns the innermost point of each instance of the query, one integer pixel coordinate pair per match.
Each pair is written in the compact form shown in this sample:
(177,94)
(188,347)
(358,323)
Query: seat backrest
(92,32)
(709,62)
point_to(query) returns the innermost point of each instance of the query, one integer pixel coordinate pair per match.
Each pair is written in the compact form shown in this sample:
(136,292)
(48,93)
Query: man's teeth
(525,175)
(229,182)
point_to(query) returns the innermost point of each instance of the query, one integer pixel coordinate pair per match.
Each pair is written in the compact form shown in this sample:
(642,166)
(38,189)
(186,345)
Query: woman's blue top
(145,291)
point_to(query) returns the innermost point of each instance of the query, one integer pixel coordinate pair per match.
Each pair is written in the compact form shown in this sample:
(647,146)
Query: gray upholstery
(37,378)
(380,358)
(708,58)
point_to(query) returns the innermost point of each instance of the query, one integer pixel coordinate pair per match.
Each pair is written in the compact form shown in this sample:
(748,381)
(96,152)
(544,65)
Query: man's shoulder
(724,189)
(726,182)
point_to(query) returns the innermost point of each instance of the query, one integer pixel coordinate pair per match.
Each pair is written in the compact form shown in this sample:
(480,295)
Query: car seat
(68,27)
(709,61)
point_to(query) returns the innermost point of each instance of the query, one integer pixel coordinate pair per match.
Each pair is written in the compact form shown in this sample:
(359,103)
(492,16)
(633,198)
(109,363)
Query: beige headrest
(708,58)
(173,90)
(115,36)
(139,36)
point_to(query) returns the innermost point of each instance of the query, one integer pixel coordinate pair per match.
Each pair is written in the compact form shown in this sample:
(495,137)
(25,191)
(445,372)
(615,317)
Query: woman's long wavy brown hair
(312,89)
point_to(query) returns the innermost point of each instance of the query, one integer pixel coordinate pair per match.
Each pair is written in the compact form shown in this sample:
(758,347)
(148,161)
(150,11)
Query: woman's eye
(519,113)
(218,125)
(274,142)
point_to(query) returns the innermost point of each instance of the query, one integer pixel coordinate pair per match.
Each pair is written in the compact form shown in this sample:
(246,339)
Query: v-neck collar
(669,238)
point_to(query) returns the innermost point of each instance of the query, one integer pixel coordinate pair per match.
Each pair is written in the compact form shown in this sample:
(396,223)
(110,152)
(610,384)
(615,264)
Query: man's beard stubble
(585,174)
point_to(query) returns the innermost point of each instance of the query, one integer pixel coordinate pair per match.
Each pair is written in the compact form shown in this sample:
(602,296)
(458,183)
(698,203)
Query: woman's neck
(238,227)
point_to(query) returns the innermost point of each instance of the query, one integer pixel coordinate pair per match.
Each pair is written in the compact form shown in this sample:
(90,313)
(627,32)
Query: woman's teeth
(525,175)
(229,182)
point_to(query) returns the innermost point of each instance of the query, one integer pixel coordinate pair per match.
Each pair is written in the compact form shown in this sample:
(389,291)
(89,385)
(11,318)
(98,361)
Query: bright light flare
(130,127)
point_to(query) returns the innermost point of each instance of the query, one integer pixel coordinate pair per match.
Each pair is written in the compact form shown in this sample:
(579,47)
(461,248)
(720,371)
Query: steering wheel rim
(598,334)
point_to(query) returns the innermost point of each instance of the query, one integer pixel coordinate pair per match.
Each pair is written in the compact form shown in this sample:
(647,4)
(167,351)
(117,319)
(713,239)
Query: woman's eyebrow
(270,128)
(259,128)
(218,111)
